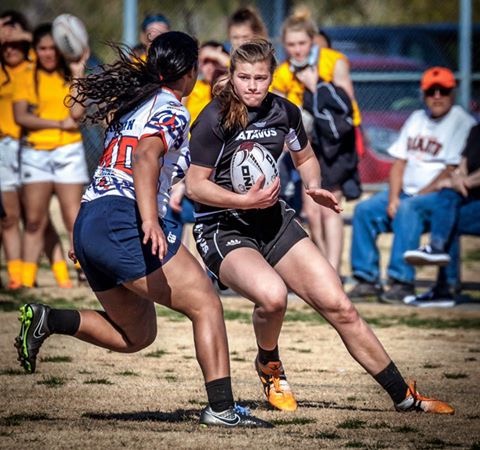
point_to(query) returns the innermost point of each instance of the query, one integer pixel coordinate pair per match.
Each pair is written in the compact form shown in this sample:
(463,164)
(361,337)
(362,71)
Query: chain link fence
(389,44)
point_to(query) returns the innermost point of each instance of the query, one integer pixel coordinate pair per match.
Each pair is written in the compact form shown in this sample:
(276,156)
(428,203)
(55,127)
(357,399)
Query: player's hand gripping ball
(249,162)
(70,36)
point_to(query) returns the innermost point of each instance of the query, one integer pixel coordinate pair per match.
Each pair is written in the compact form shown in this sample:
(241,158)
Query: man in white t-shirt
(428,148)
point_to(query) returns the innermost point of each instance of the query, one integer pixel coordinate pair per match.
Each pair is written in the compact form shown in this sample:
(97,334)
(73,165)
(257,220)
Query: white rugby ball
(249,162)
(70,36)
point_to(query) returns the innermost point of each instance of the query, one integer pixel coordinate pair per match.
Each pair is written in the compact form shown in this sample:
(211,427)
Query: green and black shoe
(33,331)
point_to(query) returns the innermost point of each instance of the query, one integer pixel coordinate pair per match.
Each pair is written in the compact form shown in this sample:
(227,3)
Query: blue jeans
(445,217)
(468,223)
(184,216)
(370,219)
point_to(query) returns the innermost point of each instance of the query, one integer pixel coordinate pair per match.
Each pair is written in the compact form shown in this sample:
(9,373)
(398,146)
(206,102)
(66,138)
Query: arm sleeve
(170,123)
(296,138)
(206,140)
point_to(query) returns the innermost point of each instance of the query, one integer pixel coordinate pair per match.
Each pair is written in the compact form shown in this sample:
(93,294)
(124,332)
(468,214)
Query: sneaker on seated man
(426,255)
(436,297)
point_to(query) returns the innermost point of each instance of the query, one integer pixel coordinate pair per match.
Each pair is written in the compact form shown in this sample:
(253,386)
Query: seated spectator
(457,212)
(427,150)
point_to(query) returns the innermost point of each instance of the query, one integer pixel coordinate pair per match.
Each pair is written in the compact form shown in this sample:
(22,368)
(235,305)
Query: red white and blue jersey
(162,115)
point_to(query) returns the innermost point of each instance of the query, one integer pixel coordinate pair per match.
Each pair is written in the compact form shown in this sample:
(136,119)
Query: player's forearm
(473,180)
(30,121)
(145,178)
(309,172)
(208,193)
(396,179)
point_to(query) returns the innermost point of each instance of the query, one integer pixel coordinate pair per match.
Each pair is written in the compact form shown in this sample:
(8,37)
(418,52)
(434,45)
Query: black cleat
(33,331)
(235,416)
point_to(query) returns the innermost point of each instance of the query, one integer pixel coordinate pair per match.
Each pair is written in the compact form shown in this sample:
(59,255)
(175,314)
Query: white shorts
(65,165)
(9,165)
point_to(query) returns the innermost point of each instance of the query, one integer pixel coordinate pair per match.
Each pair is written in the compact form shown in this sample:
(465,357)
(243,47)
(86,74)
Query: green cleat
(33,331)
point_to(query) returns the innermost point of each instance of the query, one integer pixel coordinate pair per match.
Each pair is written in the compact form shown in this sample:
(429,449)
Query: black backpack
(332,111)
(333,137)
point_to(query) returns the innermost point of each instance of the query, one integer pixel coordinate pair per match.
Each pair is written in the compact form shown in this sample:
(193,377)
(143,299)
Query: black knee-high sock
(392,381)
(219,393)
(265,356)
(63,321)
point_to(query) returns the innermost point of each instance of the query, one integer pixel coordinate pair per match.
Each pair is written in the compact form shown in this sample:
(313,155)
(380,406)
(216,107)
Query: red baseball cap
(438,76)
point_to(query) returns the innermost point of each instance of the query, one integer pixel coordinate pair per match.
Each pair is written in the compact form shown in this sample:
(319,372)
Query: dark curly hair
(127,83)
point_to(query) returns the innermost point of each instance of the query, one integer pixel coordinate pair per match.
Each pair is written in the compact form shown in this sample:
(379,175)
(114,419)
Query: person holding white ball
(52,157)
(252,242)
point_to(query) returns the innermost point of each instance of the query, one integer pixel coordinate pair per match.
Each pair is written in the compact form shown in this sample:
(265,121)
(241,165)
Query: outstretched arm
(307,165)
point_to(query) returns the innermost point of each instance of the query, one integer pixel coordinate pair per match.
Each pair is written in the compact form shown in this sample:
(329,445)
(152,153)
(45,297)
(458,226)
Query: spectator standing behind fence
(152,25)
(427,150)
(15,46)
(299,74)
(456,212)
(52,159)
(15,39)
(245,24)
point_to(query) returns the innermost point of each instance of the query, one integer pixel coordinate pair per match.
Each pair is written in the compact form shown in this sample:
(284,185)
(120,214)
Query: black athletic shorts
(272,231)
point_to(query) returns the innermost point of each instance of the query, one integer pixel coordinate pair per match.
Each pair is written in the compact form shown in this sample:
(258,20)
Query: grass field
(85,397)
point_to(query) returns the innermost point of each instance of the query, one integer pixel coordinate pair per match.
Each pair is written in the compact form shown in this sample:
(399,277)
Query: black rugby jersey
(275,123)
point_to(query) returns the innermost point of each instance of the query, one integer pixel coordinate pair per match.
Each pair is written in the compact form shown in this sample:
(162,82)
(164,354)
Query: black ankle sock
(392,381)
(219,393)
(63,321)
(265,356)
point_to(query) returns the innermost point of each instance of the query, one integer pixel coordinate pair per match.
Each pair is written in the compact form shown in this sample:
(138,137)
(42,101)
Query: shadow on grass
(178,416)
(334,405)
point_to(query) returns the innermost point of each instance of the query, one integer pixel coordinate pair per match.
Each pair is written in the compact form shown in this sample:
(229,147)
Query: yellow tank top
(8,127)
(47,102)
(285,82)
(200,96)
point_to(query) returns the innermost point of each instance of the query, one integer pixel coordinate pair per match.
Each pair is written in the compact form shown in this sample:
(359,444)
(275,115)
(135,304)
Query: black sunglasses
(441,90)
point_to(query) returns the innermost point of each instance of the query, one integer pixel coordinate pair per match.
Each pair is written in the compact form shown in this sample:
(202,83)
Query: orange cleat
(14,285)
(275,385)
(414,401)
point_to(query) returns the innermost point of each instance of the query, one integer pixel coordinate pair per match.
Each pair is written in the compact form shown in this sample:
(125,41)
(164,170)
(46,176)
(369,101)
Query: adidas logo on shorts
(233,242)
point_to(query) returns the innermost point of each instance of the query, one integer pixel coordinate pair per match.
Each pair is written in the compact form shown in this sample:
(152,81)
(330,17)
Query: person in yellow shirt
(15,54)
(306,64)
(52,157)
(13,59)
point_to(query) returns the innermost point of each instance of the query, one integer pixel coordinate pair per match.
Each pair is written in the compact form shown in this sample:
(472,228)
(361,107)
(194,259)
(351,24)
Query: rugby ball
(249,161)
(70,36)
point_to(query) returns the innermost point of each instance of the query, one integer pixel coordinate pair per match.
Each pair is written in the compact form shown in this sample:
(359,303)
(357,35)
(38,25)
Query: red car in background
(387,91)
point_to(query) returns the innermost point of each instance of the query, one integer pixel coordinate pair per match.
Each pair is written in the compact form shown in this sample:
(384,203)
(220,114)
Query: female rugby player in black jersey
(252,242)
